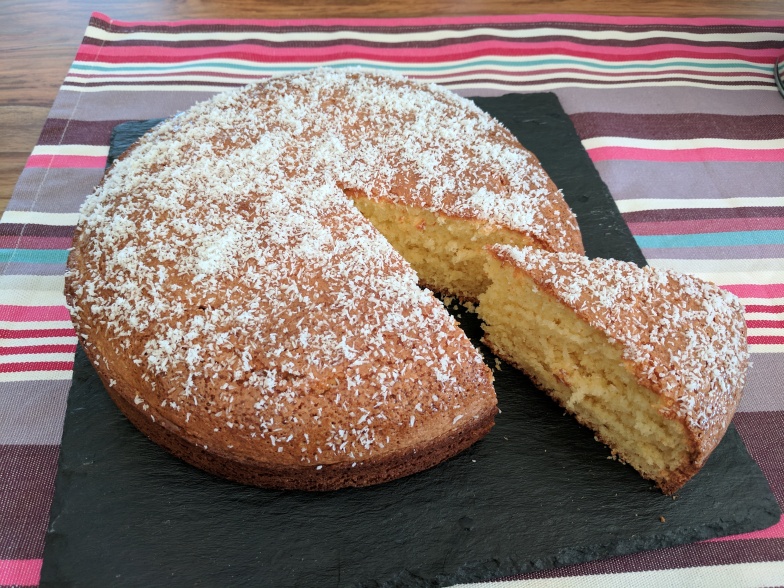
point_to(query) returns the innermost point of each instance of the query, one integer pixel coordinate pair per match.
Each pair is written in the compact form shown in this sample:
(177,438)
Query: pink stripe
(20,572)
(28,349)
(50,161)
(757,324)
(683,155)
(33,313)
(709,225)
(35,366)
(762,308)
(25,242)
(774,532)
(459,20)
(765,340)
(756,290)
(35,333)
(152,53)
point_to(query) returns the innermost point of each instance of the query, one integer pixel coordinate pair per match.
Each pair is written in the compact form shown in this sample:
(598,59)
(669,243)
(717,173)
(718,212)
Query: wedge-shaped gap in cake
(446,252)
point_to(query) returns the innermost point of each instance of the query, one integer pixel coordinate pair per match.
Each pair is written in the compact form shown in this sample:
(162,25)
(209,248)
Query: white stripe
(89,150)
(34,325)
(164,88)
(432,35)
(757,348)
(636,204)
(766,332)
(467,86)
(744,575)
(678,144)
(728,271)
(762,301)
(28,357)
(182,79)
(32,290)
(40,218)
(774,267)
(764,316)
(35,283)
(22,297)
(30,341)
(36,375)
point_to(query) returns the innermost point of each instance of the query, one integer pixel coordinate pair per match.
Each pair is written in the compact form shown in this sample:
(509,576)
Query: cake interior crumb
(576,365)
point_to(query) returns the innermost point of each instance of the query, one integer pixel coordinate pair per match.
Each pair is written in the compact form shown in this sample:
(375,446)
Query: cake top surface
(685,338)
(222,255)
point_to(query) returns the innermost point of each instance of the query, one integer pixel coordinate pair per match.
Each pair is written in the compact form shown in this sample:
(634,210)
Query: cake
(653,361)
(246,278)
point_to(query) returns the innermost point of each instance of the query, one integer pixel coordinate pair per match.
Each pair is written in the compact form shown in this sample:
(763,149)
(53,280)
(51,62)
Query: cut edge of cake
(652,361)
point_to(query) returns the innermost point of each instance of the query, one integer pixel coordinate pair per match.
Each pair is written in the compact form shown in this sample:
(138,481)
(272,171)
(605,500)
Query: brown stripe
(31,230)
(727,29)
(654,41)
(678,126)
(59,131)
(680,214)
(27,475)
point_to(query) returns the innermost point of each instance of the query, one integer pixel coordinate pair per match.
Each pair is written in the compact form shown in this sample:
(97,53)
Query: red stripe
(30,242)
(36,366)
(20,572)
(766,340)
(765,324)
(711,225)
(35,333)
(154,54)
(442,21)
(37,349)
(756,290)
(762,308)
(59,161)
(684,155)
(9,312)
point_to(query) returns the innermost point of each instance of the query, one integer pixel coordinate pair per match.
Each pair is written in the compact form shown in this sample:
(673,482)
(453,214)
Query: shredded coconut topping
(222,256)
(684,337)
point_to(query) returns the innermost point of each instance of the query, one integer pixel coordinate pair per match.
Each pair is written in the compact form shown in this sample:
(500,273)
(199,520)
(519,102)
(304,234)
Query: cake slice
(651,360)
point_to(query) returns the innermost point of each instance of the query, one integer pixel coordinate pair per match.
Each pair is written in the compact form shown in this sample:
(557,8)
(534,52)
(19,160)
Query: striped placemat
(681,117)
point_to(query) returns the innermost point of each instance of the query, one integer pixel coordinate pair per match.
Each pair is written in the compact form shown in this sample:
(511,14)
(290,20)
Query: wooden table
(38,40)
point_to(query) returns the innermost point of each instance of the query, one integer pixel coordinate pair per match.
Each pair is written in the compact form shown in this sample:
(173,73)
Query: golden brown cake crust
(240,310)
(331,477)
(682,337)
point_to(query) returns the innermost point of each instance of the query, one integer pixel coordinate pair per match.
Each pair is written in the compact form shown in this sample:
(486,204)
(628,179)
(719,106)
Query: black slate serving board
(537,492)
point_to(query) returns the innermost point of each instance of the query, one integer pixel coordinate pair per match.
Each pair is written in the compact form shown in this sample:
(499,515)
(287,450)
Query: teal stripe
(33,255)
(711,239)
(426,68)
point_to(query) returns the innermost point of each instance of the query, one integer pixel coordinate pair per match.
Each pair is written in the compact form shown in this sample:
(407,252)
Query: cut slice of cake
(652,360)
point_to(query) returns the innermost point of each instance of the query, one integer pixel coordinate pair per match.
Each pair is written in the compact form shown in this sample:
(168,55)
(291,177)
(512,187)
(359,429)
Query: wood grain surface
(39,38)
